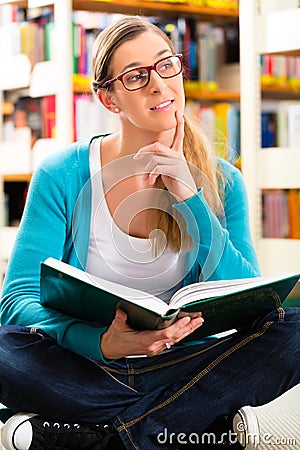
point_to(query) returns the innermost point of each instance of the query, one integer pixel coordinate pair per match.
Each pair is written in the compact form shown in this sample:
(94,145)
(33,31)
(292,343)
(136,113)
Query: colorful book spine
(268,129)
(280,71)
(293,197)
(221,123)
(281,213)
(26,37)
(280,127)
(48,116)
(49,41)
(203,45)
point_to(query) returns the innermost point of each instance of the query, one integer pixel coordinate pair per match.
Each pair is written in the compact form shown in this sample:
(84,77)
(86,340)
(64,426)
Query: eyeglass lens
(167,68)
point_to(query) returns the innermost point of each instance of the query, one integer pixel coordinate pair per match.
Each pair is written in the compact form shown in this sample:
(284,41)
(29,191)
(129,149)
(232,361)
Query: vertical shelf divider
(250,105)
(63,61)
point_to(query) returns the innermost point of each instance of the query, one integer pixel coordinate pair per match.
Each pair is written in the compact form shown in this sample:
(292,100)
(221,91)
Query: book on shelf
(15,198)
(275,214)
(294,126)
(280,71)
(26,37)
(10,13)
(281,213)
(225,304)
(91,118)
(293,198)
(36,39)
(221,123)
(268,129)
(48,116)
(282,122)
(232,38)
(28,113)
(49,41)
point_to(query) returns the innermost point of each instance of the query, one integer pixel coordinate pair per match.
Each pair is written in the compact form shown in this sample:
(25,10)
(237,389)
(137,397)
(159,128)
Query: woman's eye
(166,66)
(138,76)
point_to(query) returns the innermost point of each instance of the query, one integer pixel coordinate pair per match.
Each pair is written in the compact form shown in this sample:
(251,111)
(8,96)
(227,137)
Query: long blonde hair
(196,147)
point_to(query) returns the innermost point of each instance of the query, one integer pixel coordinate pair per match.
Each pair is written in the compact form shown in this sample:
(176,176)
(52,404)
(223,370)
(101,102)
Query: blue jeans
(154,403)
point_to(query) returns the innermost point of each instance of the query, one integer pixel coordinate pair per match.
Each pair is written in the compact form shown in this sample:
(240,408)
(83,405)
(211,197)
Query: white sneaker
(16,433)
(275,425)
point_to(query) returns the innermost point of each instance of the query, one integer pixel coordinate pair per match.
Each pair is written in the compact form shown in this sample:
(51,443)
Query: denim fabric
(152,400)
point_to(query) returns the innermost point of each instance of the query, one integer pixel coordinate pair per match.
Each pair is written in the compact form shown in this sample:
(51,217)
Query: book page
(209,289)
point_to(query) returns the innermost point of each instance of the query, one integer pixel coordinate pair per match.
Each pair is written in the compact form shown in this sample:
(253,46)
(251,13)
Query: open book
(225,304)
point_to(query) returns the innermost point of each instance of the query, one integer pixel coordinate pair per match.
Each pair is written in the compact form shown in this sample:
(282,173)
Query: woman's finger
(186,328)
(154,148)
(179,133)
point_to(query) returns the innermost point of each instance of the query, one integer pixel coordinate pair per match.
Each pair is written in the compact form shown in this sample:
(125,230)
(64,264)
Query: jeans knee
(11,330)
(10,337)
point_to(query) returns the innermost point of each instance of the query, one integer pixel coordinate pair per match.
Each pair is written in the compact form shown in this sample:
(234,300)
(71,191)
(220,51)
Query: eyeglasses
(139,77)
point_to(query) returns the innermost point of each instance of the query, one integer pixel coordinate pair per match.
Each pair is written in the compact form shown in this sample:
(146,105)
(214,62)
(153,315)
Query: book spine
(281,213)
(48,110)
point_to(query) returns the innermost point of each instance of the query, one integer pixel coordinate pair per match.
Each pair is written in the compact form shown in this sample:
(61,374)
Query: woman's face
(151,108)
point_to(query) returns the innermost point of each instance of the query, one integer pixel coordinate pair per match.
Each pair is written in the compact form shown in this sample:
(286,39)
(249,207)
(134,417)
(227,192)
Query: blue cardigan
(56,222)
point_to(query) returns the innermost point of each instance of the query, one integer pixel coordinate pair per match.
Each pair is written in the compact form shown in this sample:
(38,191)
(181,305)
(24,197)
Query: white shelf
(279,32)
(44,79)
(16,156)
(279,168)
(275,32)
(15,72)
(41,149)
(279,255)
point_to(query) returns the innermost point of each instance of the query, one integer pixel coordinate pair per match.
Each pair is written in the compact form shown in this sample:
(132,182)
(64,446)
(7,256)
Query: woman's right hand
(120,340)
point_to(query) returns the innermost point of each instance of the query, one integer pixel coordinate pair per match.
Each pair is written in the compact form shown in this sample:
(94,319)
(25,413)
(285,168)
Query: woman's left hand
(170,163)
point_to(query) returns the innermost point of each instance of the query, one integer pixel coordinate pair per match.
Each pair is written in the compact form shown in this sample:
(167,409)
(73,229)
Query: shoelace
(106,433)
(58,425)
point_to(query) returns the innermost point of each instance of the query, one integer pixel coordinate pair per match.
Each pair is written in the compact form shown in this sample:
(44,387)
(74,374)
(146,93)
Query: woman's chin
(166,125)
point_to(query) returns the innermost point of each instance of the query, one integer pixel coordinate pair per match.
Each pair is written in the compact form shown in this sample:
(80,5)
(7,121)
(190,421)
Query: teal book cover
(225,304)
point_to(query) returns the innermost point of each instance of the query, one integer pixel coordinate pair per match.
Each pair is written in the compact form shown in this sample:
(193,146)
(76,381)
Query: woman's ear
(107,99)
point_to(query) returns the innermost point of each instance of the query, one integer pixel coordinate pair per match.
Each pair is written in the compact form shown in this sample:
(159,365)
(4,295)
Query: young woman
(148,207)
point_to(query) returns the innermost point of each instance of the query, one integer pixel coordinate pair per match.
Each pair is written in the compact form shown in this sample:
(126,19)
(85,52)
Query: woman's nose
(156,83)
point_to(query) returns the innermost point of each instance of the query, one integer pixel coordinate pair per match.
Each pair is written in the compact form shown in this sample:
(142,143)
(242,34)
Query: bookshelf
(150,8)
(262,169)
(272,168)
(47,79)
(44,78)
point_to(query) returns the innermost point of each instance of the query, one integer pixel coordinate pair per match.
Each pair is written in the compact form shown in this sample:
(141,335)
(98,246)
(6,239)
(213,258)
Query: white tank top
(127,260)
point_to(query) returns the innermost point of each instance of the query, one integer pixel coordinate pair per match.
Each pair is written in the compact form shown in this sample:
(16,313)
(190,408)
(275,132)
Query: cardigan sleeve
(43,232)
(223,245)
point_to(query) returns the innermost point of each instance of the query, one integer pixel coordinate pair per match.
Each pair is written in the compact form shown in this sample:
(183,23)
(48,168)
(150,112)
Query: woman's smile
(163,106)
